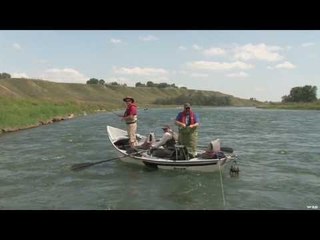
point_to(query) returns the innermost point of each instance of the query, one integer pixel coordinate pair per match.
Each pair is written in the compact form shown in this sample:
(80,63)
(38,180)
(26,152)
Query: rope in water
(224,201)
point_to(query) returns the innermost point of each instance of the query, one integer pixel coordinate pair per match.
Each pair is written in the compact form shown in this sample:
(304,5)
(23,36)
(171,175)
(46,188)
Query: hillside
(26,102)
(94,94)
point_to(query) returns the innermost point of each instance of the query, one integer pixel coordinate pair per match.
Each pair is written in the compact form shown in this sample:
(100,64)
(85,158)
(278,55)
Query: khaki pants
(132,130)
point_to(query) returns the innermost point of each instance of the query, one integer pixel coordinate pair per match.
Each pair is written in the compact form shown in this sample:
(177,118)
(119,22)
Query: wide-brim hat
(127,97)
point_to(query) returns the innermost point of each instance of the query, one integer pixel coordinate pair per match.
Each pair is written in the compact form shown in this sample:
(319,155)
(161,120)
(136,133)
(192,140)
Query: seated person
(166,146)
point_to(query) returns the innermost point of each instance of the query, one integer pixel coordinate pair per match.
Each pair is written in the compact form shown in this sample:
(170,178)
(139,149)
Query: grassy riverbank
(28,103)
(16,113)
(293,106)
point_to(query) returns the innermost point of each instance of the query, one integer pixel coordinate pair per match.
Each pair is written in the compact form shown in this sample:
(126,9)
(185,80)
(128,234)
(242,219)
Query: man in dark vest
(166,146)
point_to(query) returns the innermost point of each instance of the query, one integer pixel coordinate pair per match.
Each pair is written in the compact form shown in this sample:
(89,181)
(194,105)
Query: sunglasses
(187,108)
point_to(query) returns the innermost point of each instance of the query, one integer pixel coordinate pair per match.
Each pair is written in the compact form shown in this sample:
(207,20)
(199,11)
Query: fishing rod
(119,115)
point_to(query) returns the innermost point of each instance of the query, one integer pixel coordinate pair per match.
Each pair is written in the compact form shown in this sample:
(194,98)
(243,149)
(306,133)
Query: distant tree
(93,81)
(101,81)
(5,75)
(139,84)
(301,94)
(162,85)
(150,84)
(114,84)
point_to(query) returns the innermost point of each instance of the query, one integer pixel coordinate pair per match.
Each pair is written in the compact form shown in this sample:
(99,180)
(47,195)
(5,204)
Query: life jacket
(127,113)
(183,117)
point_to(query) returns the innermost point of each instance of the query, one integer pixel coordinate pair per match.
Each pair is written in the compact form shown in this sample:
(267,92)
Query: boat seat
(122,143)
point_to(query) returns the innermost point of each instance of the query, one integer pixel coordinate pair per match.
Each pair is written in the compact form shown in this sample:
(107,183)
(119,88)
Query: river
(279,161)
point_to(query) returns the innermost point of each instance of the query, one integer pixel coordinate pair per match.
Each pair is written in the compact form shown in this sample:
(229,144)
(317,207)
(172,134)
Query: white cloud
(140,71)
(148,38)
(16,46)
(307,44)
(199,75)
(286,65)
(196,47)
(115,41)
(177,72)
(19,75)
(259,51)
(66,75)
(214,51)
(182,48)
(205,65)
(237,75)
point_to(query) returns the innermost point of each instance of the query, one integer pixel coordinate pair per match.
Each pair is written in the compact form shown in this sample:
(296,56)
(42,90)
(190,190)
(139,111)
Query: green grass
(21,113)
(293,106)
(26,102)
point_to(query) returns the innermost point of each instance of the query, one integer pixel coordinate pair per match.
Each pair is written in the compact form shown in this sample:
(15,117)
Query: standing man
(188,123)
(130,116)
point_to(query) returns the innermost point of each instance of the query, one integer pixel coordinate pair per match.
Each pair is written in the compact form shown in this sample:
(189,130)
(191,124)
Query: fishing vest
(170,144)
(127,113)
(183,117)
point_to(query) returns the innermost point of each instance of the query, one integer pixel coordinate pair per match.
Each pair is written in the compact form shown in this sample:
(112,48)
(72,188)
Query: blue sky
(261,64)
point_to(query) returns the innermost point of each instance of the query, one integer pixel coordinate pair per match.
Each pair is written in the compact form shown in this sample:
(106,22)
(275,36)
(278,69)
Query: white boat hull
(195,164)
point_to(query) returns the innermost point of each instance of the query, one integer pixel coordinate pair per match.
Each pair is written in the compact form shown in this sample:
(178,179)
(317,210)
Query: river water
(279,161)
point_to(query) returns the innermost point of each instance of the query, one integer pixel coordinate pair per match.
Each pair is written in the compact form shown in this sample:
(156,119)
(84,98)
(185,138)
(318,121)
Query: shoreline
(40,123)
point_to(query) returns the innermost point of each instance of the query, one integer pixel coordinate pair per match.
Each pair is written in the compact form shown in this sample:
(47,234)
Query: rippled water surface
(279,160)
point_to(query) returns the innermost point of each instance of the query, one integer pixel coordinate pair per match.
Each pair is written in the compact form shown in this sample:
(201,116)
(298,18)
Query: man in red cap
(130,116)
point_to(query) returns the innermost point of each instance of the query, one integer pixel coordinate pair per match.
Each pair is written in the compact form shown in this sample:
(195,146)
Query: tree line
(197,98)
(158,85)
(138,84)
(5,75)
(307,93)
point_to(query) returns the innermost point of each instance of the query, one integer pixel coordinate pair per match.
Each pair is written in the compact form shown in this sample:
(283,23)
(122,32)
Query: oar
(80,166)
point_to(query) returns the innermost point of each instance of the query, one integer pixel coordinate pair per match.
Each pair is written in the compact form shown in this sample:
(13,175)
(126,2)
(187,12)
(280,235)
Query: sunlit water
(279,160)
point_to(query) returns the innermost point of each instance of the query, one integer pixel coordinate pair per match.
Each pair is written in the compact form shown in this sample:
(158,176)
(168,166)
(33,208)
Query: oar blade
(80,166)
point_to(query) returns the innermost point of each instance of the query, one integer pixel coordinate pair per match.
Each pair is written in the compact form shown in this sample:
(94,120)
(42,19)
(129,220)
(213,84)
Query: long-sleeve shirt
(166,136)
